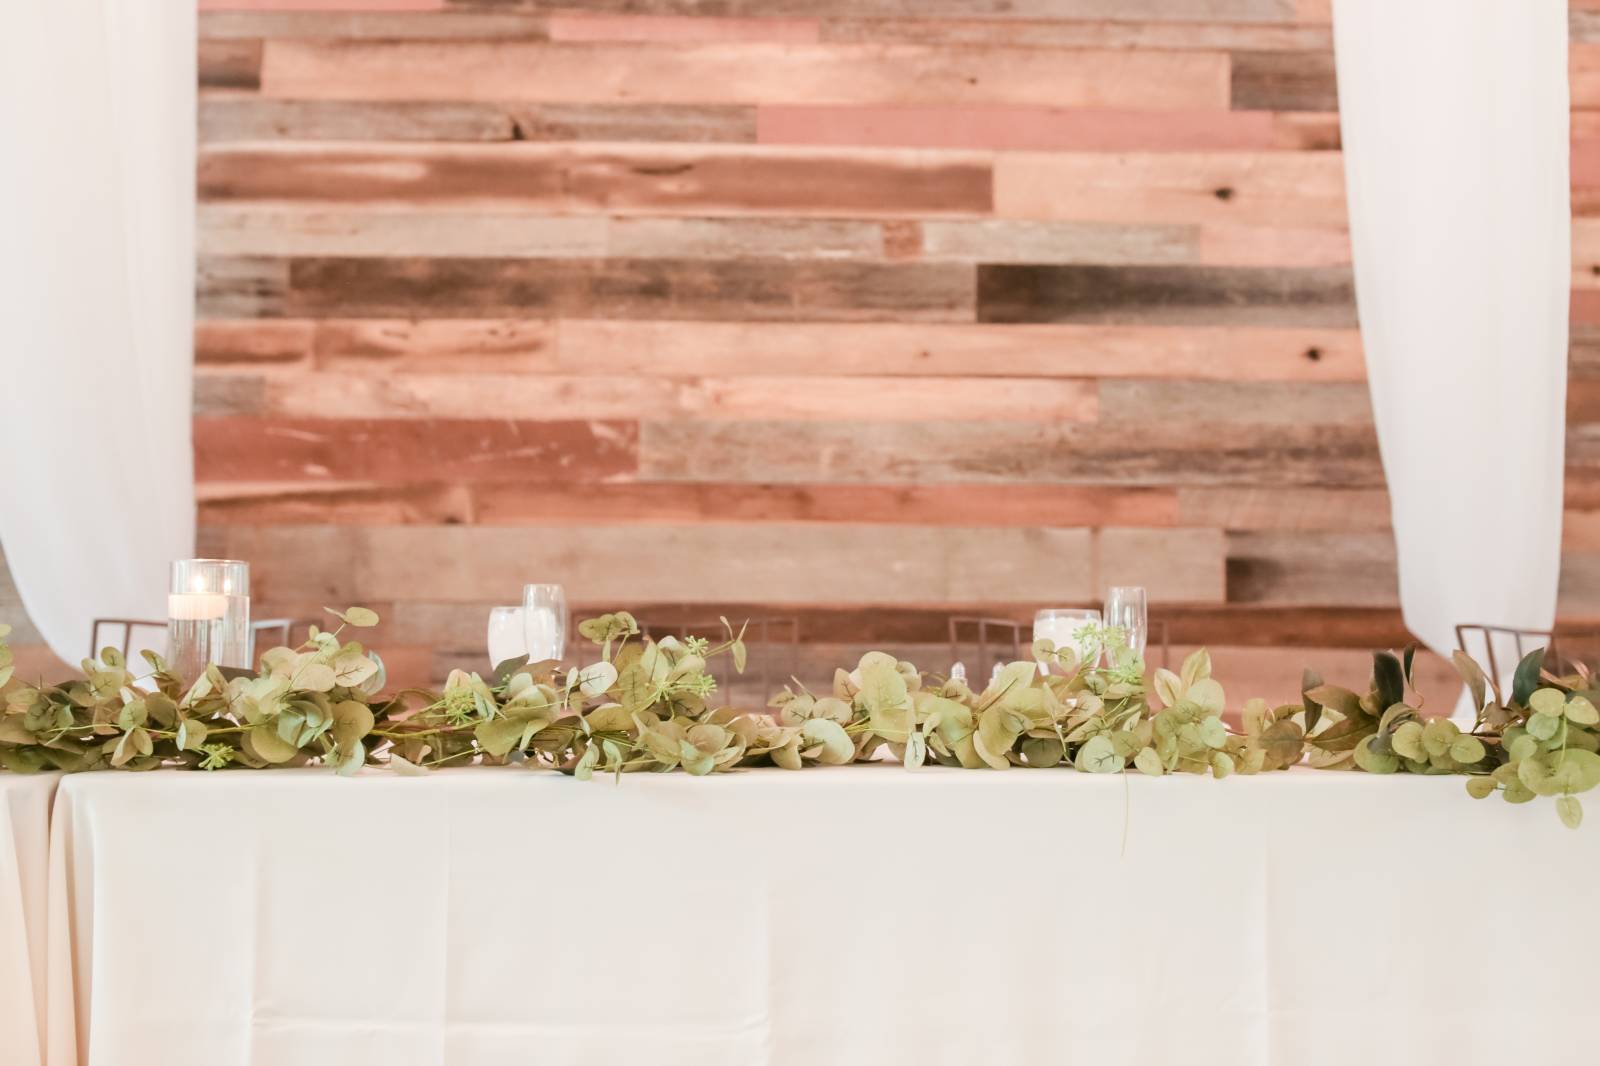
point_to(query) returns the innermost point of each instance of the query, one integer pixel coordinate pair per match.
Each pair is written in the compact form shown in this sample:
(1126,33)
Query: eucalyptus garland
(645,705)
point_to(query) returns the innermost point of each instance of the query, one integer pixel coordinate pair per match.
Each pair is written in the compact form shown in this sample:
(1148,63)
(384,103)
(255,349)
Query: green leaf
(264,743)
(1543,726)
(1407,741)
(1221,764)
(1212,732)
(1480,787)
(498,735)
(1570,810)
(1548,701)
(1148,762)
(1581,711)
(1388,679)
(1472,674)
(1169,687)
(1098,756)
(1043,751)
(1207,695)
(360,617)
(1526,679)
(837,748)
(1467,749)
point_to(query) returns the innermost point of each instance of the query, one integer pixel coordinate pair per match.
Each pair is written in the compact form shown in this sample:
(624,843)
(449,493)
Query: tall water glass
(208,615)
(507,639)
(1061,626)
(544,622)
(1125,607)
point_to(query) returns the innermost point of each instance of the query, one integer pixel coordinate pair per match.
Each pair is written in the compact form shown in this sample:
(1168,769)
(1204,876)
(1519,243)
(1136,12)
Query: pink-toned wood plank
(1583,75)
(395,451)
(733,73)
(593,26)
(1303,190)
(1018,128)
(1586,306)
(1313,10)
(542,397)
(613,178)
(322,5)
(1273,246)
(252,341)
(1586,160)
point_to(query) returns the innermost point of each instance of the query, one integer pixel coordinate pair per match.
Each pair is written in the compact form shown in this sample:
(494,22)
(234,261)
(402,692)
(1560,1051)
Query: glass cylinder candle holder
(544,622)
(507,638)
(1062,625)
(208,615)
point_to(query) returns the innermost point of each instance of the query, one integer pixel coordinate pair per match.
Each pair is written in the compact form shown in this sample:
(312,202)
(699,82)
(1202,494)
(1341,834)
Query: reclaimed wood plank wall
(865,311)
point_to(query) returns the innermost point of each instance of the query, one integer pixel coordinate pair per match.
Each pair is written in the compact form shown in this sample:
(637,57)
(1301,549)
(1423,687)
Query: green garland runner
(647,705)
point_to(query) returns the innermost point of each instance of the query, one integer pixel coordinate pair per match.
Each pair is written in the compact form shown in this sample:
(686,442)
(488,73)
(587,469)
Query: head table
(862,914)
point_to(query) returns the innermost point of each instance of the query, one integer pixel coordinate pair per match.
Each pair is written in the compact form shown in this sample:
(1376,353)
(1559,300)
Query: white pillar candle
(197,606)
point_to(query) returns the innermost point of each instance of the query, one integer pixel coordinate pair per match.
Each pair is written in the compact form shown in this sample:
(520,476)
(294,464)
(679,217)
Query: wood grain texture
(334,395)
(1298,190)
(1167,295)
(1171,10)
(739,73)
(655,179)
(768,290)
(960,452)
(1284,81)
(313,450)
(527,345)
(995,300)
(1033,128)
(527,502)
(600,564)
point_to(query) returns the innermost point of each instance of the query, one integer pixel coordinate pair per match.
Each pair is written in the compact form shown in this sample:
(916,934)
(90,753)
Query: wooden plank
(1222,353)
(322,5)
(1174,565)
(1586,253)
(470,346)
(254,230)
(599,26)
(1285,509)
(618,179)
(357,503)
(524,502)
(1153,10)
(240,286)
(984,453)
(1010,241)
(1285,81)
(560,397)
(251,342)
(744,238)
(1253,402)
(1583,66)
(1302,190)
(230,118)
(230,65)
(597,564)
(382,25)
(464,347)
(1308,296)
(1279,246)
(740,73)
(1580,584)
(1115,32)
(1583,26)
(1017,128)
(400,452)
(228,394)
(772,290)
(1312,569)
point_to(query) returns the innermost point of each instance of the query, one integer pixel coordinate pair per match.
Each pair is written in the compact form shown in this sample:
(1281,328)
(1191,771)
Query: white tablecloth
(857,915)
(24,866)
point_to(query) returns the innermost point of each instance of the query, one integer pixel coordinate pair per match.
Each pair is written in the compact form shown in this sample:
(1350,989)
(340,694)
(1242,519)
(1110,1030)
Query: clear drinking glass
(1125,607)
(1061,625)
(544,622)
(208,615)
(507,638)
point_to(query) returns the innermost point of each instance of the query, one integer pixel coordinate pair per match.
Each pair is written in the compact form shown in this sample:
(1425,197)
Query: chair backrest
(283,627)
(1522,640)
(773,644)
(996,640)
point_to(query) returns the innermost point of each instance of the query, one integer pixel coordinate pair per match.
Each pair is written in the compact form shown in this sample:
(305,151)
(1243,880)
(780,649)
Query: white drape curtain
(1454,115)
(97,115)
